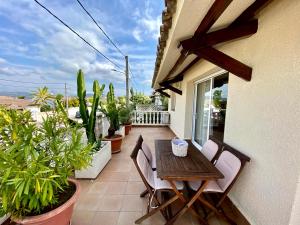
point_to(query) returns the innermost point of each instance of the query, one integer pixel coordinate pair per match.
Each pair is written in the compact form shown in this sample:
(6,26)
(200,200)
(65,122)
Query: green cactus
(89,120)
(111,111)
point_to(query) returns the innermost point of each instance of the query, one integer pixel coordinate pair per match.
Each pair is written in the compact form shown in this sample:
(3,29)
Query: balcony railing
(148,118)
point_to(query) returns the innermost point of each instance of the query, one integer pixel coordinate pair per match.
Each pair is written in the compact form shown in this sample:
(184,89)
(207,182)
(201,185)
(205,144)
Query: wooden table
(195,166)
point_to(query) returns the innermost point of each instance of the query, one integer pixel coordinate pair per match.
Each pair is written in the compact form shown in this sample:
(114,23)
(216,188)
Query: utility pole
(127,81)
(66,99)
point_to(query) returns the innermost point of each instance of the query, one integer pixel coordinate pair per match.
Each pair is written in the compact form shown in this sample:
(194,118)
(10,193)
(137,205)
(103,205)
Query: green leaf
(26,190)
(4,201)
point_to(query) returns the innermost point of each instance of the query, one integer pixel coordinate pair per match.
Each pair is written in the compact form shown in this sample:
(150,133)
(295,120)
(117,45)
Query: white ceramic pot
(100,159)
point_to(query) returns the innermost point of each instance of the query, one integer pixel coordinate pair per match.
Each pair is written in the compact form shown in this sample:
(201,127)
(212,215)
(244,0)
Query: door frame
(209,77)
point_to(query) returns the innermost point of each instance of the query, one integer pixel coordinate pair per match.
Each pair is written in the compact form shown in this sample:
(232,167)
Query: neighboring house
(15,103)
(234,69)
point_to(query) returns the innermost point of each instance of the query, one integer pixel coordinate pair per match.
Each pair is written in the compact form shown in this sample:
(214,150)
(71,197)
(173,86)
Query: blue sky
(34,47)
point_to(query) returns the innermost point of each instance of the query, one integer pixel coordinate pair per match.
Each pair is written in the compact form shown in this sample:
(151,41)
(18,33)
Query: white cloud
(60,53)
(137,34)
(147,23)
(2,61)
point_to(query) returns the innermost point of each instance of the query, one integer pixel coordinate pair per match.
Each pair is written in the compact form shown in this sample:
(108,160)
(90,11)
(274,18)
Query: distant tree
(42,96)
(21,97)
(217,98)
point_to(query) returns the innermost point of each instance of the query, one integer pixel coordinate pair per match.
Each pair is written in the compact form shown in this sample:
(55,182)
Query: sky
(35,47)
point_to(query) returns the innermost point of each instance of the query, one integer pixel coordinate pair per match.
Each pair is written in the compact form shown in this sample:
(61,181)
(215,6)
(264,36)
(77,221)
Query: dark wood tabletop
(195,166)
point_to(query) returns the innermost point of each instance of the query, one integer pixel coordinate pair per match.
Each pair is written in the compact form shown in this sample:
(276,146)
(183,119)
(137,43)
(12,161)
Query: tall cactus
(111,111)
(89,121)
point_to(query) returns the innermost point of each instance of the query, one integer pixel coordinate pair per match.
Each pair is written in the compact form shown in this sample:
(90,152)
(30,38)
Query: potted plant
(110,109)
(36,163)
(102,149)
(125,118)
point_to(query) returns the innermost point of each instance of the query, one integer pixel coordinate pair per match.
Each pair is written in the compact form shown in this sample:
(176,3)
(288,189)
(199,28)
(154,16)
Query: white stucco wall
(295,217)
(263,115)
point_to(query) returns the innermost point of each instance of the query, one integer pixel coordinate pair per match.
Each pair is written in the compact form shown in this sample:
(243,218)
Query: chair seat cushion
(212,186)
(163,184)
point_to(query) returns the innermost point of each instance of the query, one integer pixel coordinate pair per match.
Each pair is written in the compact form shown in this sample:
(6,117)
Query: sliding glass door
(210,108)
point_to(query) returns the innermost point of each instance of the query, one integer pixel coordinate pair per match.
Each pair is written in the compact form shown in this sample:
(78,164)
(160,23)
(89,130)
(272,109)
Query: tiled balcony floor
(113,198)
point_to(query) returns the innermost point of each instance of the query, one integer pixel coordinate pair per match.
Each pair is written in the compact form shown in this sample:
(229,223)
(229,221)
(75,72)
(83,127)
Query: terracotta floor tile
(98,188)
(82,217)
(134,175)
(105,218)
(135,188)
(128,218)
(113,176)
(115,188)
(119,166)
(88,202)
(110,203)
(133,203)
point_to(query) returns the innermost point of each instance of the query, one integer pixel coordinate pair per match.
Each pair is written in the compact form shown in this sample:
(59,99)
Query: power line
(52,14)
(105,34)
(31,87)
(28,82)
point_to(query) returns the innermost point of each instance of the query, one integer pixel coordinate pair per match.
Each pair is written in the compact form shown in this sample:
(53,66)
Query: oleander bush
(36,162)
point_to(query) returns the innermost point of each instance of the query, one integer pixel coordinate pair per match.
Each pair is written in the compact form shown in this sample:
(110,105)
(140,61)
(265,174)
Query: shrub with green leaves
(36,161)
(125,115)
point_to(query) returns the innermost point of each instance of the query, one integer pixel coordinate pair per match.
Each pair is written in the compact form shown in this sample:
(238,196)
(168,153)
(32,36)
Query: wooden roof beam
(251,11)
(170,87)
(215,11)
(226,62)
(172,80)
(220,36)
(246,15)
(213,14)
(163,93)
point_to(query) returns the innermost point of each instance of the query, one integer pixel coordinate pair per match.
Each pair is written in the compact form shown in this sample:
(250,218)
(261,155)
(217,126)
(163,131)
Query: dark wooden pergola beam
(251,11)
(220,36)
(213,14)
(215,11)
(226,62)
(170,87)
(172,80)
(163,93)
(245,16)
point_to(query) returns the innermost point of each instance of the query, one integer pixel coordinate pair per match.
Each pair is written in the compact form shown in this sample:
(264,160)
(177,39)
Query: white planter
(100,159)
(3,219)
(121,131)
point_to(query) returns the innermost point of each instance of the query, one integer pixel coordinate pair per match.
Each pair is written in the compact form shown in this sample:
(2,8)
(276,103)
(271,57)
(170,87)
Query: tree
(139,98)
(42,96)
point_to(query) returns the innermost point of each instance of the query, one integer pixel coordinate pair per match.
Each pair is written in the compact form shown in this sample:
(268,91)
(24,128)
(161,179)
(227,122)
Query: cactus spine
(89,121)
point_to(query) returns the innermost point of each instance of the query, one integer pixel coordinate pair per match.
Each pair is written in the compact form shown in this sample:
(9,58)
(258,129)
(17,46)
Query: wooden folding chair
(211,149)
(143,146)
(231,163)
(153,185)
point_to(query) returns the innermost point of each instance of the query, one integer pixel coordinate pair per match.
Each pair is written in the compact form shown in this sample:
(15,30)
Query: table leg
(188,204)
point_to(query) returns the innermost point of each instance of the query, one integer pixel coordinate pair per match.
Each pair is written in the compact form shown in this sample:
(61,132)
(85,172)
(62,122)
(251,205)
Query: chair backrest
(229,165)
(233,164)
(210,149)
(137,147)
(147,151)
(145,168)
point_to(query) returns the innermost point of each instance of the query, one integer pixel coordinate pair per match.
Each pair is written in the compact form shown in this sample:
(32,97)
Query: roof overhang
(185,21)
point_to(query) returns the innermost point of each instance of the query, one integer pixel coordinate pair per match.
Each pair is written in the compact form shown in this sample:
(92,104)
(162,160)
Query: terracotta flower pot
(127,129)
(59,216)
(116,142)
